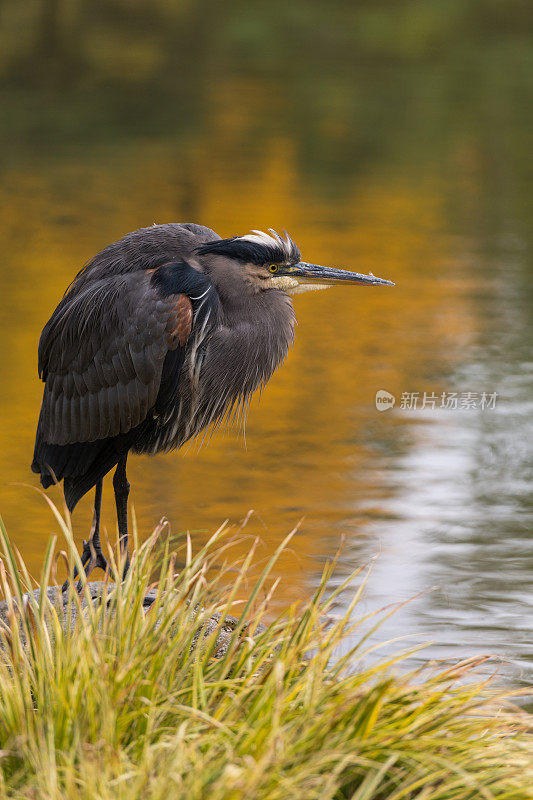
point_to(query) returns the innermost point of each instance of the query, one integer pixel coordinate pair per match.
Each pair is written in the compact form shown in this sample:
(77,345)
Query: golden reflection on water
(313,439)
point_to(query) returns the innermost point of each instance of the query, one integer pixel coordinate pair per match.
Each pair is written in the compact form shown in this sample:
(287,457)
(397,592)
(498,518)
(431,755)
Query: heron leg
(92,555)
(122,490)
(95,537)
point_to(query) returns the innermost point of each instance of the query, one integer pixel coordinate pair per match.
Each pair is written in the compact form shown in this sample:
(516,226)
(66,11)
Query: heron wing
(101,356)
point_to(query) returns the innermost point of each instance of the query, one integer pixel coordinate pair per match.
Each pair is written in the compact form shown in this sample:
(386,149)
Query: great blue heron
(160,335)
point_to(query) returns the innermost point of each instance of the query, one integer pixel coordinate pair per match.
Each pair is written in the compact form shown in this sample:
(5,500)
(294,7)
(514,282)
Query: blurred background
(391,136)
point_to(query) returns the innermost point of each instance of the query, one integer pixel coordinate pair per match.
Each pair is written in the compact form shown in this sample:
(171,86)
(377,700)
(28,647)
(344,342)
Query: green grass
(125,706)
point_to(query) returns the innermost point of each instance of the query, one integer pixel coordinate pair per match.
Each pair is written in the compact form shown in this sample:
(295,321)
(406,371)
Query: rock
(62,600)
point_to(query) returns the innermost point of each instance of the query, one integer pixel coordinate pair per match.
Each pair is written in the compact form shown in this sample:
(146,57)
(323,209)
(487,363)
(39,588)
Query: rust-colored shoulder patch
(180,323)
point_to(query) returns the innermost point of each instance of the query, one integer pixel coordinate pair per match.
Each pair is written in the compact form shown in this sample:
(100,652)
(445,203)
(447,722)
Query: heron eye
(272,267)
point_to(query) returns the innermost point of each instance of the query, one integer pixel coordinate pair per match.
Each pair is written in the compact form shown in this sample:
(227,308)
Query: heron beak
(313,273)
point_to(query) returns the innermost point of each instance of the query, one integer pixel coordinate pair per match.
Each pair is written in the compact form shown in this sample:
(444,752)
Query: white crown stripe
(273,239)
(257,246)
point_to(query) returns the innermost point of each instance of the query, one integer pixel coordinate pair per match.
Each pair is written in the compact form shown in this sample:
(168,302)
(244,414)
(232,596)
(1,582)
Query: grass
(126,705)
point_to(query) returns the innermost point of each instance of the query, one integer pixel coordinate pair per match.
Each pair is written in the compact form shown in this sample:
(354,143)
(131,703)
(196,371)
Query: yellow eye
(272,267)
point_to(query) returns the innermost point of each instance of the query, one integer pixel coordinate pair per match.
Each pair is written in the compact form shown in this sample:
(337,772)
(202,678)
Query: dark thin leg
(122,490)
(92,555)
(96,520)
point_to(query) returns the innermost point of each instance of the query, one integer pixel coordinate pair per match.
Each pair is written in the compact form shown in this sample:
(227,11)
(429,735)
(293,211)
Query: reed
(108,699)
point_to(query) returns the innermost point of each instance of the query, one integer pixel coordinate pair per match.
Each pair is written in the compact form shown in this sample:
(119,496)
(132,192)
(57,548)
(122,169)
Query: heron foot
(91,557)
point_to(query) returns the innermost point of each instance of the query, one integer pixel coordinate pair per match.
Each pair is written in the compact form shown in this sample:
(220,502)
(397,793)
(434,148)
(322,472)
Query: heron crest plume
(256,247)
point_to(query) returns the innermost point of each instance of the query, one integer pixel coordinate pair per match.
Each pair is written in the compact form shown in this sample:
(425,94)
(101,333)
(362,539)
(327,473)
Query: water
(394,140)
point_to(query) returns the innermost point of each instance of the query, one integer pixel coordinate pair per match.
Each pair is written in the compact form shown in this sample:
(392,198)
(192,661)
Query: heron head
(267,261)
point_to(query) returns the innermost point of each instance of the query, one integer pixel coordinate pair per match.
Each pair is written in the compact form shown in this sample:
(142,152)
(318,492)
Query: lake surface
(397,142)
